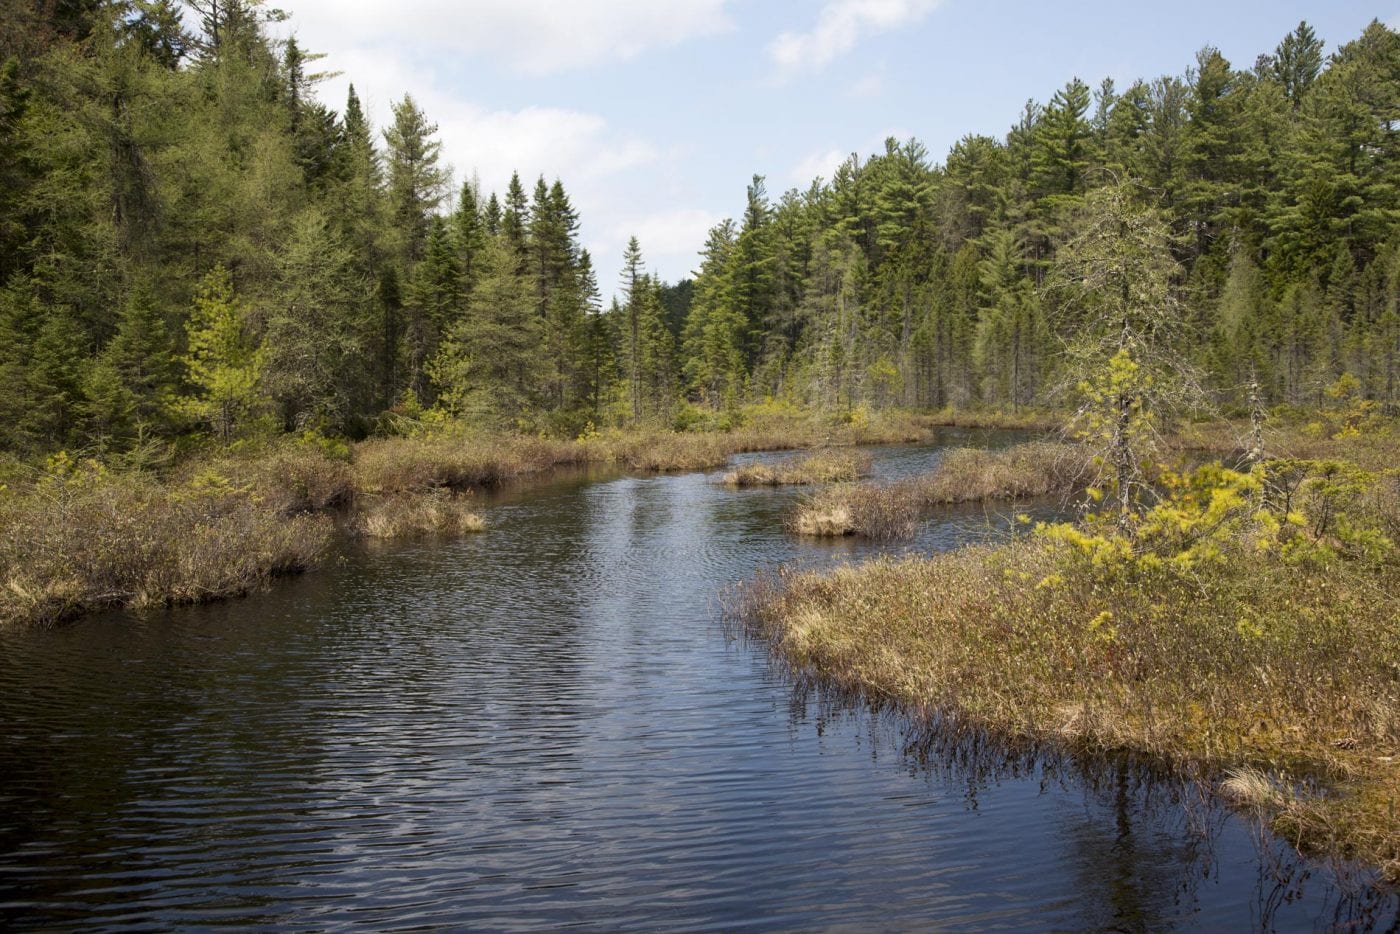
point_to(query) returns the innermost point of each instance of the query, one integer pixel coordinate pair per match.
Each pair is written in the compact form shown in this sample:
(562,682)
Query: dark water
(546,726)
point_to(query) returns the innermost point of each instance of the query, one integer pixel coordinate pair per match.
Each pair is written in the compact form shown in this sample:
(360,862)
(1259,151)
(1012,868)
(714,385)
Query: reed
(829,466)
(893,510)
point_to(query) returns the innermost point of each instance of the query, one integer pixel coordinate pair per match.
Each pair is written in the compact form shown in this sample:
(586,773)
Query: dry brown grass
(831,466)
(1377,447)
(1026,419)
(885,511)
(866,509)
(659,451)
(1249,660)
(87,540)
(407,515)
(667,452)
(455,461)
(289,478)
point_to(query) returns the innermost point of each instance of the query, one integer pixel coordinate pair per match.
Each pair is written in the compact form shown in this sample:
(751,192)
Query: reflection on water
(545,725)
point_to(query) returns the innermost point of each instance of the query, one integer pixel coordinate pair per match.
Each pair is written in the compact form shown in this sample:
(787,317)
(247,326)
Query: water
(545,726)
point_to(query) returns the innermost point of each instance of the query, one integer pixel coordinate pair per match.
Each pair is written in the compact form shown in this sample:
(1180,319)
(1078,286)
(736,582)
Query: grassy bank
(82,539)
(822,467)
(1025,419)
(892,510)
(1244,629)
(80,536)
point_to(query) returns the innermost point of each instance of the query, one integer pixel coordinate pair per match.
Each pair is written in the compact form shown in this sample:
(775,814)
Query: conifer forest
(998,537)
(192,243)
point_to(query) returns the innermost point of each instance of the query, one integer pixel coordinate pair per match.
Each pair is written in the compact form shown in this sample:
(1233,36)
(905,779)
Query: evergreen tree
(223,363)
(485,367)
(1297,62)
(132,386)
(315,352)
(417,184)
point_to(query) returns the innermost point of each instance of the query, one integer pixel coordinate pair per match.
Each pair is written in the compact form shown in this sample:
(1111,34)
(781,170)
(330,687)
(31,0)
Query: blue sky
(656,113)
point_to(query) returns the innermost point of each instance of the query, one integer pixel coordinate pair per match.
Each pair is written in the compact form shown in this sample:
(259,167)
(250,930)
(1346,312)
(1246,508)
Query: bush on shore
(83,539)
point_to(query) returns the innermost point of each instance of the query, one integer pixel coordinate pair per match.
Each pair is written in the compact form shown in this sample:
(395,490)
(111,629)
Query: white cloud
(822,163)
(594,159)
(550,141)
(670,240)
(840,25)
(536,37)
(606,167)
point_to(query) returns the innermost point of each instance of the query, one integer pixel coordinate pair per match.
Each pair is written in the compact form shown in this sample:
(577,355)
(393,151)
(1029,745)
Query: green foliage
(1291,511)
(1260,206)
(223,362)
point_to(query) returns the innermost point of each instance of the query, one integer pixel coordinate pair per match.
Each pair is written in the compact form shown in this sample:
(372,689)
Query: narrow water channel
(545,725)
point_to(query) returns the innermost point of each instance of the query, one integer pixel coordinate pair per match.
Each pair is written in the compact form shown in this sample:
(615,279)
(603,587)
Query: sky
(655,114)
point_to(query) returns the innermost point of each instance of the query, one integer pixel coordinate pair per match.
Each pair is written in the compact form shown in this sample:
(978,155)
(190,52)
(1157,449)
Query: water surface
(544,726)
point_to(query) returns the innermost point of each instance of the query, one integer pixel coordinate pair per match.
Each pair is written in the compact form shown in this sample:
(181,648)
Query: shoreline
(83,538)
(1266,674)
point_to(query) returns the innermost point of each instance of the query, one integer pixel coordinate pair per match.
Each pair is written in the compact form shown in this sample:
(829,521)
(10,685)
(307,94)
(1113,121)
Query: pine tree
(484,370)
(514,217)
(131,387)
(417,184)
(633,287)
(469,234)
(315,352)
(1061,150)
(435,303)
(1297,62)
(714,337)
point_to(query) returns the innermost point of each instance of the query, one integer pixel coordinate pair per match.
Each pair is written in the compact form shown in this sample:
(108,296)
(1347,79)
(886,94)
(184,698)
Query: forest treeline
(192,242)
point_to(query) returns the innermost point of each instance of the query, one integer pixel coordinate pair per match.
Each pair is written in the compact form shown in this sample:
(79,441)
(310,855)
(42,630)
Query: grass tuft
(831,466)
(889,511)
(85,540)
(408,515)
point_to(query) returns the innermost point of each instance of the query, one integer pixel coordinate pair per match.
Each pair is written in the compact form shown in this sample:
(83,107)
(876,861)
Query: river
(546,725)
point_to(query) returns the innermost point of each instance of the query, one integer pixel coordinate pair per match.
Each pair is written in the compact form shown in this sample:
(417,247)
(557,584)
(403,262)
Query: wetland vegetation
(236,323)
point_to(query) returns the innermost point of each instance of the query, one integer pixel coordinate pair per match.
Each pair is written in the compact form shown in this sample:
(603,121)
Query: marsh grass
(81,540)
(829,466)
(893,510)
(1265,655)
(78,537)
(455,461)
(454,458)
(1023,419)
(408,515)
(288,478)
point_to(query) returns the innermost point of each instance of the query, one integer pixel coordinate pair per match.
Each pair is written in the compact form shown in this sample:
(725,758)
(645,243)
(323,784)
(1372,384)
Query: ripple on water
(542,726)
